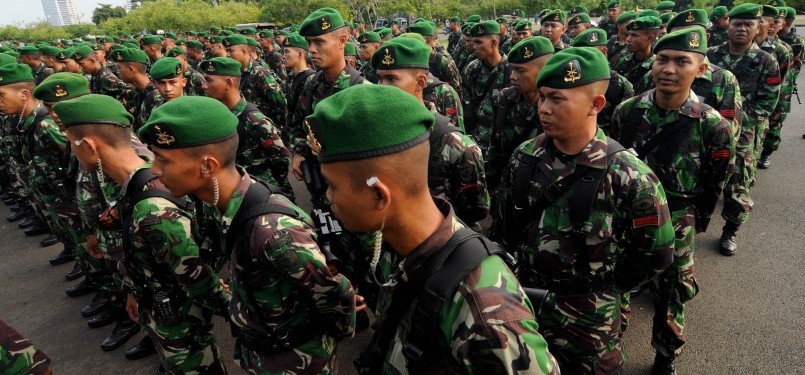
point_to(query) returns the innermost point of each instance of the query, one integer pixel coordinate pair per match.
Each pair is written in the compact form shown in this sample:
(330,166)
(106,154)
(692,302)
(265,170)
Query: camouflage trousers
(18,355)
(189,346)
(774,134)
(737,202)
(674,287)
(313,357)
(581,344)
(110,280)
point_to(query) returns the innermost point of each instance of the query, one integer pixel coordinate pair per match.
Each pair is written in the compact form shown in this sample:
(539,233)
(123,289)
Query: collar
(691,107)
(238,108)
(233,206)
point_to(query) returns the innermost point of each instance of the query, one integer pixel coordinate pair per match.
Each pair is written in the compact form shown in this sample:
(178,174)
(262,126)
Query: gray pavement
(748,318)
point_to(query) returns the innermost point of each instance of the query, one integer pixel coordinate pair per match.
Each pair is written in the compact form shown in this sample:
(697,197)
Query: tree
(105,12)
(182,15)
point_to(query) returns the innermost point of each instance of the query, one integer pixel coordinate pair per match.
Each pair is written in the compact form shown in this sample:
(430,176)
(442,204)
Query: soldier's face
(238,53)
(404,79)
(565,113)
(327,49)
(576,29)
(367,50)
(524,34)
(218,50)
(355,206)
(553,30)
(171,88)
(777,26)
(765,25)
(524,76)
(82,151)
(742,32)
(638,40)
(12,100)
(674,71)
(613,13)
(216,87)
(484,47)
(178,170)
(72,66)
(454,26)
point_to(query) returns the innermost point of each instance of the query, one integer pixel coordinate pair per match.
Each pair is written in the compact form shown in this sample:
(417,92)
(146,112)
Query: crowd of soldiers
(493,202)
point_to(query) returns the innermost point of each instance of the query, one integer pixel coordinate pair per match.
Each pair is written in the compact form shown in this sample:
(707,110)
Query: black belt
(277,342)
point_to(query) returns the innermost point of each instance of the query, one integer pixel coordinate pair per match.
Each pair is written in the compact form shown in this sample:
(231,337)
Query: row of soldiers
(585,229)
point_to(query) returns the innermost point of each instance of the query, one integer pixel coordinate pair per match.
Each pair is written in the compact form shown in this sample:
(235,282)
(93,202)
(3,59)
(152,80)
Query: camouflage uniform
(610,27)
(615,49)
(563,44)
(368,72)
(633,70)
(463,57)
(441,98)
(453,40)
(619,90)
(782,52)
(280,286)
(113,67)
(505,44)
(164,257)
(481,83)
(442,66)
(628,241)
(18,356)
(105,82)
(519,124)
(693,172)
(759,80)
(273,60)
(293,91)
(479,335)
(718,36)
(259,86)
(195,82)
(151,101)
(41,72)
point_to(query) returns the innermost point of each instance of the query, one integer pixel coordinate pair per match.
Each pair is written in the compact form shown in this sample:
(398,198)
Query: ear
(702,68)
(383,195)
(421,82)
(598,104)
(183,81)
(209,166)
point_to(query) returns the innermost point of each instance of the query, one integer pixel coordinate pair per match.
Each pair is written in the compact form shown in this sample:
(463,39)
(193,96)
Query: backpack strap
(440,128)
(506,100)
(631,126)
(242,120)
(255,204)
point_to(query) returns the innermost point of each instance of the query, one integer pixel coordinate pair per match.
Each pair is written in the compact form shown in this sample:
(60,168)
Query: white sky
(24,11)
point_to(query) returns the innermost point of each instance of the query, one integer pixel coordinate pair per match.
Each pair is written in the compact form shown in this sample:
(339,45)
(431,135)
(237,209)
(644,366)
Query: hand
(92,247)
(131,308)
(360,303)
(296,166)
(224,285)
(108,217)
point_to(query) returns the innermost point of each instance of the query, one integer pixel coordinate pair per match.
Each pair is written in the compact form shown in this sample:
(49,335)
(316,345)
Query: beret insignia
(572,71)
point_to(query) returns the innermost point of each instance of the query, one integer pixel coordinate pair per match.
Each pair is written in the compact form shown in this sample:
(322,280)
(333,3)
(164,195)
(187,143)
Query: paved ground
(748,318)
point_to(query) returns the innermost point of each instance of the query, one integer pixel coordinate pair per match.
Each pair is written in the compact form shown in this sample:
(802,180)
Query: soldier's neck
(332,73)
(671,102)
(120,163)
(737,49)
(531,97)
(410,228)
(232,99)
(300,68)
(642,55)
(30,107)
(576,143)
(228,181)
(141,81)
(760,38)
(493,59)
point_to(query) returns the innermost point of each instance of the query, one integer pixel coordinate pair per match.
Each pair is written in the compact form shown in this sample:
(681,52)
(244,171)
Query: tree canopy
(105,12)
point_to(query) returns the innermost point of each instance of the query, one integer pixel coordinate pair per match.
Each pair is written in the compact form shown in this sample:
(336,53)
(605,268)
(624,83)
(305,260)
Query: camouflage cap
(691,17)
(579,19)
(574,67)
(338,124)
(485,28)
(15,73)
(626,17)
(746,11)
(321,21)
(530,49)
(297,41)
(189,121)
(61,86)
(401,53)
(221,66)
(165,68)
(666,5)
(81,52)
(175,51)
(645,23)
(150,39)
(592,37)
(130,55)
(554,15)
(369,37)
(692,39)
(92,109)
(424,29)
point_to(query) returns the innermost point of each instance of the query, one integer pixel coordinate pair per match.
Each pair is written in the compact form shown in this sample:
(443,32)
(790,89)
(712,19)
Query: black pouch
(164,309)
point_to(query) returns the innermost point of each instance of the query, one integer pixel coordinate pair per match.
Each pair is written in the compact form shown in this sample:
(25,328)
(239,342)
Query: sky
(26,11)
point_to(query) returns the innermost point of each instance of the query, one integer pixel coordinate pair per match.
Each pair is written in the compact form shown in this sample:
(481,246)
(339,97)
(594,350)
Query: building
(61,12)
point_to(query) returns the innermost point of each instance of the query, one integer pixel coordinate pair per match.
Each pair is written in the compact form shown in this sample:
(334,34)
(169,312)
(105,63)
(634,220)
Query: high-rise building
(61,12)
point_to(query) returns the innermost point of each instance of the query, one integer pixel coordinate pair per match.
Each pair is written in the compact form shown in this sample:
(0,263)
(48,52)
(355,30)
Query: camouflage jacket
(797,49)
(782,53)
(441,98)
(45,151)
(113,67)
(293,91)
(619,90)
(141,103)
(195,82)
(456,173)
(41,72)
(718,36)
(260,149)
(258,86)
(163,254)
(481,84)
(463,57)
(758,77)
(633,70)
(610,27)
(519,123)
(105,82)
(273,60)
(368,72)
(444,68)
(18,356)
(562,44)
(453,42)
(693,170)
(486,327)
(279,277)
(615,49)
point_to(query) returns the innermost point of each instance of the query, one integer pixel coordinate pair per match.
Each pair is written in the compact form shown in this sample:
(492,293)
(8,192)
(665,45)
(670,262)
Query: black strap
(298,80)
(668,139)
(355,78)
(506,100)
(440,128)
(614,91)
(28,132)
(433,63)
(242,120)
(255,204)
(507,71)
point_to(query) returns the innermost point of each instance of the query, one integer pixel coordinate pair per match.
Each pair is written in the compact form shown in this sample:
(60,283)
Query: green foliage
(182,15)
(105,12)
(44,31)
(294,11)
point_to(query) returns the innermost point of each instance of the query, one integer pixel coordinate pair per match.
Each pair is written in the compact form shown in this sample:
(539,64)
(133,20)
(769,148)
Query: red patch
(450,112)
(645,221)
(727,113)
(268,142)
(773,81)
(720,154)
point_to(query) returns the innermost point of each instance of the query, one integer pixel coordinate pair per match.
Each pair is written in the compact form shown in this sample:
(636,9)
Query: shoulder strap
(668,139)
(613,90)
(355,76)
(506,99)
(308,94)
(433,63)
(440,128)
(630,127)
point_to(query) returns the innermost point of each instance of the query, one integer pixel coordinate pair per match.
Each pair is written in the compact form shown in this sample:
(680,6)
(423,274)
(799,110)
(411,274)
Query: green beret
(770,11)
(15,73)
(645,23)
(131,45)
(215,29)
(395,22)
(692,39)
(170,35)
(49,50)
(522,25)
(777,3)
(13,54)
(202,34)
(554,15)
(221,66)
(746,11)
(356,25)
(265,34)
(574,67)
(165,68)
(81,52)
(626,17)
(502,21)
(424,29)
(228,33)
(519,13)
(195,44)
(474,18)
(189,121)
(218,39)
(29,50)
(338,125)
(414,36)
(666,17)
(191,33)
(350,50)
(690,17)
(248,30)
(285,32)
(401,53)
(61,86)
(592,37)
(252,42)
(321,21)
(579,9)
(150,39)
(485,28)
(5,58)
(579,18)
(64,54)
(455,19)
(648,12)
(92,109)
(175,51)
(298,41)
(781,13)
(234,40)
(369,37)
(384,32)
(665,5)
(105,39)
(790,13)
(181,42)
(530,49)
(130,55)
(613,4)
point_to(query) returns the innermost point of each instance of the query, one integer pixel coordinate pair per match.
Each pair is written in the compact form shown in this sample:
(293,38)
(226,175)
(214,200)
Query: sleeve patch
(450,112)
(646,221)
(720,154)
(773,81)
(727,113)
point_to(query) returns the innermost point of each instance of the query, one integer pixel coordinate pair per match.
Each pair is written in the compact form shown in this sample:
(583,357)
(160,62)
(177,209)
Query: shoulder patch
(643,206)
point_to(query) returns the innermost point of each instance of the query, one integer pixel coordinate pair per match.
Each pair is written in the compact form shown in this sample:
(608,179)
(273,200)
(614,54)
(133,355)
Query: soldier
(369,174)
(294,58)
(32,56)
(195,80)
(718,29)
(257,83)
(441,65)
(788,34)
(522,30)
(665,6)
(369,44)
(616,45)
(273,250)
(456,167)
(505,40)
(49,56)
(272,56)
(172,291)
(759,80)
(395,28)
(351,56)
(599,231)
(483,79)
(261,151)
(169,41)
(140,99)
(169,80)
(665,126)
(577,24)
(152,46)
(610,22)
(664,19)
(634,65)
(515,107)
(102,80)
(464,54)
(216,48)
(553,27)
(195,53)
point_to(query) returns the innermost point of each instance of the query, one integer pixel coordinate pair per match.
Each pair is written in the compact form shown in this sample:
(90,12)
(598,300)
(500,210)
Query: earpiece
(371,181)
(205,167)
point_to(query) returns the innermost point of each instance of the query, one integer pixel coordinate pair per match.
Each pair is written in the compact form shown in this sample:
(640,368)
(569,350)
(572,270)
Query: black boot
(143,349)
(95,306)
(765,160)
(82,288)
(28,221)
(65,256)
(106,316)
(74,273)
(123,331)
(727,244)
(18,215)
(663,365)
(49,241)
(40,228)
